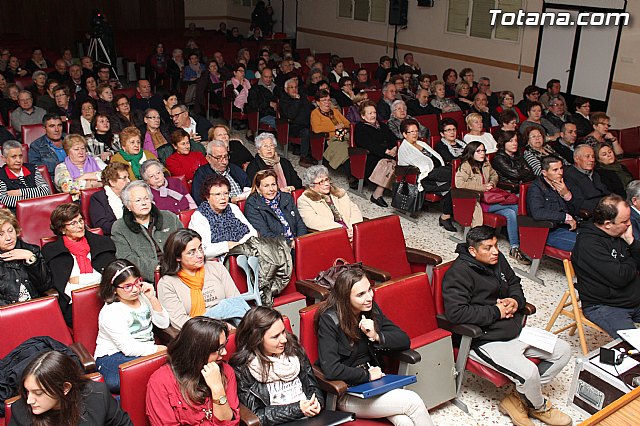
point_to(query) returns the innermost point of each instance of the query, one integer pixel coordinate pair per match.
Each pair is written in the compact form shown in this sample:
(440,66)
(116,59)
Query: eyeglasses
(175,115)
(219,157)
(219,194)
(129,287)
(123,104)
(412,131)
(142,201)
(194,252)
(157,117)
(221,349)
(451,129)
(323,181)
(75,223)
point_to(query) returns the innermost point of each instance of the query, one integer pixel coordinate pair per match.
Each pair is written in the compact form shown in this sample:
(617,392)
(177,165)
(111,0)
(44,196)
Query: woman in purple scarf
(168,193)
(79,170)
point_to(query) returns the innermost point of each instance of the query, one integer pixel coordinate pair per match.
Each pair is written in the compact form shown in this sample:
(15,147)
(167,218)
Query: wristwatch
(31,260)
(221,401)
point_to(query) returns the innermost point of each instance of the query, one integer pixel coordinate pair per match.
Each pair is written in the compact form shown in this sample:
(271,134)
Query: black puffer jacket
(35,277)
(512,169)
(470,290)
(255,395)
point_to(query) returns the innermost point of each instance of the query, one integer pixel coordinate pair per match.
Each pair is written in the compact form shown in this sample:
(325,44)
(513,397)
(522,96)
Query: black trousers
(430,185)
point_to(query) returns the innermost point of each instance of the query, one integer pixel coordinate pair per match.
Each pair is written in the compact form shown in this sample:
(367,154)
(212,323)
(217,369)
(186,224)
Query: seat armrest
(508,186)
(376,274)
(408,355)
(312,290)
(529,222)
(464,193)
(529,309)
(415,255)
(335,387)
(87,361)
(247,417)
(320,134)
(469,330)
(357,151)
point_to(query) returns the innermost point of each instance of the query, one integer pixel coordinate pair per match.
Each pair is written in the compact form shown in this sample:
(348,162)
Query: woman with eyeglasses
(155,135)
(601,134)
(536,149)
(125,116)
(191,286)
(475,173)
(77,257)
(105,207)
(324,206)
(132,153)
(125,322)
(196,386)
(506,101)
(79,170)
(140,234)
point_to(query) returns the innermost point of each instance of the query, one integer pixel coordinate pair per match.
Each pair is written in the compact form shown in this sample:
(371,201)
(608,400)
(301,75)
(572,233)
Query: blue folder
(380,386)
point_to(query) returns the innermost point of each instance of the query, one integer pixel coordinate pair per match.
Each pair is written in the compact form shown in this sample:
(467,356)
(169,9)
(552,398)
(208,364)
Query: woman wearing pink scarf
(238,87)
(79,170)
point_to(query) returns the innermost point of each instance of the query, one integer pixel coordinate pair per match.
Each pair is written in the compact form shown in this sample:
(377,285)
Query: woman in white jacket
(435,175)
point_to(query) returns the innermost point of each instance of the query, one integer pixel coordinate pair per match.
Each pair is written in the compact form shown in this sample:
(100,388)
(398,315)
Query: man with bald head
(60,73)
(144,97)
(421,105)
(262,98)
(583,181)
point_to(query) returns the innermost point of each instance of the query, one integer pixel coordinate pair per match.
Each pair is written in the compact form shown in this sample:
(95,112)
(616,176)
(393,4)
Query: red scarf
(13,176)
(80,249)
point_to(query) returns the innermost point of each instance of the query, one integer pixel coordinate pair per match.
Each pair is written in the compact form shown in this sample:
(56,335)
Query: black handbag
(406,196)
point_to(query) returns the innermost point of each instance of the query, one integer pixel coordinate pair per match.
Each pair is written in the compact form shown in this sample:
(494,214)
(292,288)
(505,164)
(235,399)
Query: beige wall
(320,29)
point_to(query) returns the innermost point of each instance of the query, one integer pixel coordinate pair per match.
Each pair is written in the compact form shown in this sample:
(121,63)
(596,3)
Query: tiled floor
(480,396)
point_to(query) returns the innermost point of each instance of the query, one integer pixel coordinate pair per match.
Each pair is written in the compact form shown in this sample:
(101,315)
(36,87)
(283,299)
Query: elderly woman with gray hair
(140,234)
(324,206)
(268,158)
(168,193)
(398,115)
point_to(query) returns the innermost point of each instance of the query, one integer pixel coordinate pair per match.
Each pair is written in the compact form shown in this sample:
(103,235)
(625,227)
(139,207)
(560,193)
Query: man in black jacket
(547,199)
(606,259)
(262,98)
(297,110)
(480,288)
(584,182)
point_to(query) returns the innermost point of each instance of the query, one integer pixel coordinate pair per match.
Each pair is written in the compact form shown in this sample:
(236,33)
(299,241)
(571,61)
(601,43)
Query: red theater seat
(31,132)
(85,307)
(134,376)
(85,197)
(47,177)
(34,215)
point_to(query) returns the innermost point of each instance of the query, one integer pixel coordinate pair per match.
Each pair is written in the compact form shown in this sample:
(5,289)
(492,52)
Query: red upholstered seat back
(436,285)
(296,194)
(408,302)
(47,177)
(85,309)
(380,243)
(522,199)
(456,115)
(308,336)
(430,121)
(37,317)
(85,196)
(185,217)
(34,215)
(316,252)
(31,132)
(134,376)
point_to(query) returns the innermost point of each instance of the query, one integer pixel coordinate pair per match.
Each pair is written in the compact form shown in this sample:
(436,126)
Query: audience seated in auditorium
(47,101)
(47,150)
(484,86)
(605,259)
(325,206)
(104,143)
(263,100)
(36,62)
(175,66)
(613,174)
(191,286)
(363,82)
(403,88)
(384,70)
(184,161)
(269,357)
(53,379)
(449,147)
(601,134)
(530,94)
(564,145)
(345,95)
(440,101)
(196,125)
(38,88)
(140,234)
(169,100)
(553,91)
(287,178)
(125,116)
(508,163)
(327,119)
(548,199)
(481,107)
(26,113)
(583,181)
(105,99)
(508,122)
(13,70)
(218,164)
(272,211)
(581,116)
(450,79)
(398,115)
(82,125)
(104,76)
(337,71)
(535,119)
(286,73)
(536,148)
(467,75)
(168,193)
(126,320)
(78,257)
(556,113)
(434,172)
(105,206)
(156,136)
(131,152)
(476,133)
(353,114)
(297,110)
(60,73)
(506,103)
(421,105)
(238,153)
(65,107)
(157,66)
(79,170)
(480,288)
(91,87)
(76,83)
(349,325)
(88,69)
(209,85)
(389,96)
(24,275)
(19,180)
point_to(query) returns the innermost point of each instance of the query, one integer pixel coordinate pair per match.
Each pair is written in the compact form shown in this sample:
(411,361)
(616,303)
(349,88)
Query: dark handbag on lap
(406,196)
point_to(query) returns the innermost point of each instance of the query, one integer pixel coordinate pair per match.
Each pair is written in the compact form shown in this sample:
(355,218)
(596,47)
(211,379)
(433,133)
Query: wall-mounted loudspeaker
(398,12)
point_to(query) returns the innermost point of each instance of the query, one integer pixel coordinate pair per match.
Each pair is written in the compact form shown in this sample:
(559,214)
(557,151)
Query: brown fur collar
(335,191)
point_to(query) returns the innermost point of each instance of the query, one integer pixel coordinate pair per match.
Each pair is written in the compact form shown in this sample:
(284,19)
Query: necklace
(208,412)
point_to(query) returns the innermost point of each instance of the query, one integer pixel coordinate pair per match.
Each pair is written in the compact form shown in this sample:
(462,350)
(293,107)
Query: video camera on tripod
(96,24)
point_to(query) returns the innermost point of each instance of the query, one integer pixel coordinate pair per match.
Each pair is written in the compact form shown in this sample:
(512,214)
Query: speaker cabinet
(425,3)
(398,12)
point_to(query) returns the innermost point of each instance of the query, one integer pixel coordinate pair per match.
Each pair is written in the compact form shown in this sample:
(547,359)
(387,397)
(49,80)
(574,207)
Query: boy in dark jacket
(480,288)
(606,259)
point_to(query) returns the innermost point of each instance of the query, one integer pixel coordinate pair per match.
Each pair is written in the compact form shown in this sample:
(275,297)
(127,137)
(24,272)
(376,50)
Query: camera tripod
(96,47)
